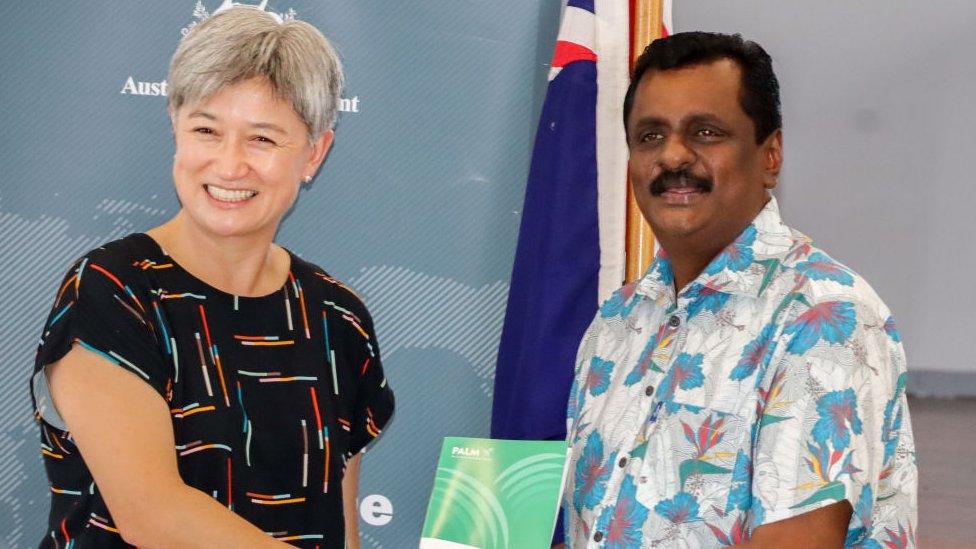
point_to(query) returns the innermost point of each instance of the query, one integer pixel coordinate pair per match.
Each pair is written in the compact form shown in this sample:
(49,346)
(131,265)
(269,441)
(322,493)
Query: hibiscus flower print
(892,330)
(622,523)
(685,372)
(838,418)
(704,298)
(662,268)
(620,303)
(819,266)
(756,352)
(737,256)
(646,360)
(740,495)
(598,376)
(831,321)
(683,507)
(592,474)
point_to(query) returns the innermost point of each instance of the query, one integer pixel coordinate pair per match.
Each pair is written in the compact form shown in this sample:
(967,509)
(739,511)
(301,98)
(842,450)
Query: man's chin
(676,223)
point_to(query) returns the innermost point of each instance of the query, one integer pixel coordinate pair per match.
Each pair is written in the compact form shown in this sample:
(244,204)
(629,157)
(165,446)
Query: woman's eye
(263,139)
(203,131)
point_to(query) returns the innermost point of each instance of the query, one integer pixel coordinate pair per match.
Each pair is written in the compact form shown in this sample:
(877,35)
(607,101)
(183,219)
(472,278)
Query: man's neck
(690,254)
(687,262)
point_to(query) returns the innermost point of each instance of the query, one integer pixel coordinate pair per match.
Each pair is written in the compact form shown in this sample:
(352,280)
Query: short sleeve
(374,398)
(97,309)
(826,427)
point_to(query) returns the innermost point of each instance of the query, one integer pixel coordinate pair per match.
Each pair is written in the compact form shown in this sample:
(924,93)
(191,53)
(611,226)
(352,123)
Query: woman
(202,335)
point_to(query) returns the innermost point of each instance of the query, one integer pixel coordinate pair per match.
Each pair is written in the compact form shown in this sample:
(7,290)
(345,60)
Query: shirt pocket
(695,449)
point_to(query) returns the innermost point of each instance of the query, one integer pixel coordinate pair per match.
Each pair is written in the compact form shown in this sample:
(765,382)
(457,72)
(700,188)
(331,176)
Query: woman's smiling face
(241,156)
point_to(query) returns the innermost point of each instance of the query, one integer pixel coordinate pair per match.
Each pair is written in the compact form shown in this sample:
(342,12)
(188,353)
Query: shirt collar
(739,269)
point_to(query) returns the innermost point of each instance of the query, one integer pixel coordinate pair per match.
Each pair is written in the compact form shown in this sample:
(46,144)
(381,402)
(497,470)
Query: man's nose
(676,154)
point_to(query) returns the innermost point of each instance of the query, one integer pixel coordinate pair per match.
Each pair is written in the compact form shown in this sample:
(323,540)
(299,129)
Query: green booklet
(495,494)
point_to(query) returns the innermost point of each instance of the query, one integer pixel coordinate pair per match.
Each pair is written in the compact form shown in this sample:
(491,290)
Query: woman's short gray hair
(245,42)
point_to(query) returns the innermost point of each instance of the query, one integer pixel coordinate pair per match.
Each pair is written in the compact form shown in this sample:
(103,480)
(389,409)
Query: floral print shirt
(770,386)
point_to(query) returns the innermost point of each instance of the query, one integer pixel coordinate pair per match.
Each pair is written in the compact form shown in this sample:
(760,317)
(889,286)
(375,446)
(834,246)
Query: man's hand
(821,529)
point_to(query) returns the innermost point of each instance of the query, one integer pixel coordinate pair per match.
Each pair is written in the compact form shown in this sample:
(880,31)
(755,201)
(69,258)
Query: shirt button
(649,390)
(674,321)
(597,536)
(622,462)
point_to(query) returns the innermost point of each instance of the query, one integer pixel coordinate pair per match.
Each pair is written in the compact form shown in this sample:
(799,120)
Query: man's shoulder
(808,271)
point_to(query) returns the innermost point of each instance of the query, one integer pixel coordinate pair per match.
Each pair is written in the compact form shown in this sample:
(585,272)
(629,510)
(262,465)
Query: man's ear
(772,149)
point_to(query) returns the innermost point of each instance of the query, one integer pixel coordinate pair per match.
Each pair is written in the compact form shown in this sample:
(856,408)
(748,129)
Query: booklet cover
(495,494)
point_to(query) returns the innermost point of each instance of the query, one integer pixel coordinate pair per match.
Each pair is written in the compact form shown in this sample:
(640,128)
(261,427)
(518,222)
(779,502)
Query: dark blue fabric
(584,4)
(553,294)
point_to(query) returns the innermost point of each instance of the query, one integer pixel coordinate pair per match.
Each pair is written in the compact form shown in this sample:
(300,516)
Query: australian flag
(555,278)
(553,293)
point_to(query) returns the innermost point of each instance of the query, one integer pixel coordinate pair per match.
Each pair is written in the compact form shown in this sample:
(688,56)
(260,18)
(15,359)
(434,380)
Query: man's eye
(650,137)
(708,133)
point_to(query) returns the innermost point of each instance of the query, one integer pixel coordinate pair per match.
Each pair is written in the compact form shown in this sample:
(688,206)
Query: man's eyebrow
(691,118)
(649,121)
(702,118)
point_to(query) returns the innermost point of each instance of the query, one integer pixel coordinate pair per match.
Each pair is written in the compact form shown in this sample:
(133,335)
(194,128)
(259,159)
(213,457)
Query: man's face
(699,176)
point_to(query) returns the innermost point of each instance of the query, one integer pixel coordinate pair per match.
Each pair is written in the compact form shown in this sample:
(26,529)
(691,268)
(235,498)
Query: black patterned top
(269,396)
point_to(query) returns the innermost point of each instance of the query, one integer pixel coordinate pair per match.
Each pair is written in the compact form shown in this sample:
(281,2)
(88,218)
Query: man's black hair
(759,95)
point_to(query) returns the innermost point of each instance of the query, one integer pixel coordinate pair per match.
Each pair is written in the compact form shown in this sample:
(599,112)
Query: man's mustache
(679,179)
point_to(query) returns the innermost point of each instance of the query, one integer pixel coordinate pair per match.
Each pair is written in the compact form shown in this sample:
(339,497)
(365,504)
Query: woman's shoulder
(323,286)
(122,260)
(135,251)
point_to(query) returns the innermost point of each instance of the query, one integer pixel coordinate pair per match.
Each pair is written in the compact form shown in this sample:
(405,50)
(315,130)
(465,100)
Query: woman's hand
(350,494)
(124,432)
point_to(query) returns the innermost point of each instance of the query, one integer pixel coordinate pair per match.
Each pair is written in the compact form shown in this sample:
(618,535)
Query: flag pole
(648,24)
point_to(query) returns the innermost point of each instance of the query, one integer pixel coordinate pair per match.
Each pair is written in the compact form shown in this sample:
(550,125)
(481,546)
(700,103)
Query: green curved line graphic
(558,459)
(539,494)
(550,477)
(489,498)
(464,517)
(473,489)
(526,473)
(456,494)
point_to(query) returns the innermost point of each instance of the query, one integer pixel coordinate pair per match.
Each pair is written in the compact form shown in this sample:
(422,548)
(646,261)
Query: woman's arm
(125,436)
(350,495)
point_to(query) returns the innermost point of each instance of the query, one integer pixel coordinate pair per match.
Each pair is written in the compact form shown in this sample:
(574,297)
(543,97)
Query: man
(748,390)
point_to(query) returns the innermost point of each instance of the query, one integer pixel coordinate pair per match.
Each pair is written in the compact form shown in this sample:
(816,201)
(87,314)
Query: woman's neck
(250,265)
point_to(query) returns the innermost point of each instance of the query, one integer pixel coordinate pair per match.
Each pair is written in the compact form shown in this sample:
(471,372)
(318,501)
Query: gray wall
(416,206)
(879,112)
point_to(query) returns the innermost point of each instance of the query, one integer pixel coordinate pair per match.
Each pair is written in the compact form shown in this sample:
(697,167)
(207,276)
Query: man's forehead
(703,87)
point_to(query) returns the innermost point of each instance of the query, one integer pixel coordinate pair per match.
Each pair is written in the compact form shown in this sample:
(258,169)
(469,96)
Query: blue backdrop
(417,206)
